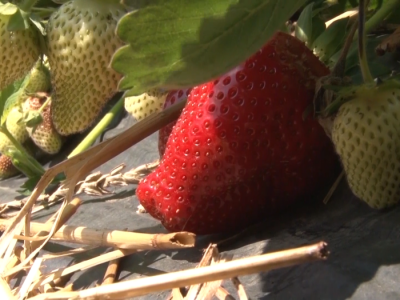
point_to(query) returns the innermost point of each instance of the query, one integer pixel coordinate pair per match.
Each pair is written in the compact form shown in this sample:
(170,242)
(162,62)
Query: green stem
(33,162)
(98,130)
(15,143)
(387,8)
(27,5)
(44,105)
(373,22)
(362,37)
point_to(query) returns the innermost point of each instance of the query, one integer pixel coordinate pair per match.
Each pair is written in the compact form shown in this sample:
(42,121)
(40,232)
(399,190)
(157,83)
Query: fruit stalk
(340,66)
(40,110)
(365,71)
(100,127)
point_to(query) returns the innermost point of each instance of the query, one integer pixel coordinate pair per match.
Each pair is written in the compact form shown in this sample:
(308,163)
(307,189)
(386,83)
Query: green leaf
(182,43)
(5,94)
(10,103)
(28,186)
(331,40)
(309,26)
(304,24)
(32,119)
(319,27)
(9,96)
(37,23)
(18,21)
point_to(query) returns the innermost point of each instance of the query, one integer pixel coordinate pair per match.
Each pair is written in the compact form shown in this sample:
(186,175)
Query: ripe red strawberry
(241,149)
(163,134)
(7,169)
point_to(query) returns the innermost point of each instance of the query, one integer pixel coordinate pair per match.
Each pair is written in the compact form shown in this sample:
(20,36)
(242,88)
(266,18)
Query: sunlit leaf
(181,43)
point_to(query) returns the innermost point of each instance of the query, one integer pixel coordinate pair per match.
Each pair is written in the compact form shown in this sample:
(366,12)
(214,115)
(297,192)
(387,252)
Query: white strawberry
(81,42)
(19,50)
(145,104)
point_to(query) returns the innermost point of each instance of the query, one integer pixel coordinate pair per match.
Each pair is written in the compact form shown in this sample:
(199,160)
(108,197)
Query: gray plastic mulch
(364,244)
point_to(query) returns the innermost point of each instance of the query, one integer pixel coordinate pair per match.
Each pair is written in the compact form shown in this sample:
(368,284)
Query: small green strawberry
(39,79)
(19,50)
(145,104)
(81,41)
(7,169)
(43,135)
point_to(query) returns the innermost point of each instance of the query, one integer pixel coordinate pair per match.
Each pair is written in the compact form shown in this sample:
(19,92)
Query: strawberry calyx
(33,117)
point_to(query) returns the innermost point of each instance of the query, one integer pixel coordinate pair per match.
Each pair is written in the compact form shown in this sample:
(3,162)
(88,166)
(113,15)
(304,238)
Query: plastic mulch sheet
(364,244)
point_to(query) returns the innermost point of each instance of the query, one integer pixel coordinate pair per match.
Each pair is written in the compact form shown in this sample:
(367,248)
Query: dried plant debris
(390,44)
(95,184)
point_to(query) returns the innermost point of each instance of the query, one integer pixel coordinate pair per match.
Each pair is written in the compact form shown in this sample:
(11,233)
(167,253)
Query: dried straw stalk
(333,188)
(76,168)
(223,294)
(70,209)
(21,253)
(210,288)
(209,254)
(206,290)
(84,265)
(240,289)
(244,266)
(111,273)
(113,238)
(95,184)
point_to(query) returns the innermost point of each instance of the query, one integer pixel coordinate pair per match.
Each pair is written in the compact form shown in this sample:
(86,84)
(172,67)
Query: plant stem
(362,37)
(387,8)
(15,143)
(373,22)
(340,66)
(44,105)
(34,163)
(96,131)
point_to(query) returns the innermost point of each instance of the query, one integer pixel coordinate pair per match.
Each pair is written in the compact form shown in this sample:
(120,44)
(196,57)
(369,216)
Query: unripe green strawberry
(145,104)
(81,42)
(43,135)
(15,127)
(19,50)
(366,136)
(39,79)
(7,169)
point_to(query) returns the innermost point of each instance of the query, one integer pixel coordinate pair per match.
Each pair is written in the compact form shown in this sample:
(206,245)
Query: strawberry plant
(248,76)
(259,105)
